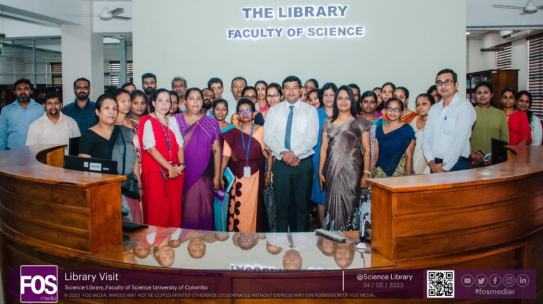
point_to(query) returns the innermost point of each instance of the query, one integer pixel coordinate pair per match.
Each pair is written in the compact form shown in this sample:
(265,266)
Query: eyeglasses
(248,111)
(250,97)
(396,110)
(291,88)
(273,95)
(447,82)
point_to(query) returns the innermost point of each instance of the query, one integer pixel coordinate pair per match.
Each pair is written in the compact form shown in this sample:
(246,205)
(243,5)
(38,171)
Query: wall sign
(295,12)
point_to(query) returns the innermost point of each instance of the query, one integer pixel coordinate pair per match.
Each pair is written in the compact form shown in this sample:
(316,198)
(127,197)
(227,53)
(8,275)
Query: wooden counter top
(528,161)
(22,163)
(486,218)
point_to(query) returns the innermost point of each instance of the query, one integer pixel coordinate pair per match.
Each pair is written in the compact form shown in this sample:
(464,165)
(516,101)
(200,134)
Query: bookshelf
(500,79)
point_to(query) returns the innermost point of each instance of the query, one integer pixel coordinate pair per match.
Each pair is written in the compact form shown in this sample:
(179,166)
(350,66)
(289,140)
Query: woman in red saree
(162,164)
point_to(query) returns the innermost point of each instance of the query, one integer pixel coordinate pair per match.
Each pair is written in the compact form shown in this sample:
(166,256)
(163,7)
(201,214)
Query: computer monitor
(499,153)
(90,164)
(73,146)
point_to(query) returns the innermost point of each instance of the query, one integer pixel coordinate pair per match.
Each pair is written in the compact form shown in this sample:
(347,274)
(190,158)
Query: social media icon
(481,280)
(467,280)
(39,284)
(522,280)
(495,280)
(508,280)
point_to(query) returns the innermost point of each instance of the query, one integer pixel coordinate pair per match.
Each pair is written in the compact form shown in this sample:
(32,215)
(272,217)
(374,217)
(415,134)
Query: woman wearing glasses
(346,167)
(201,135)
(251,94)
(519,127)
(318,194)
(274,95)
(395,143)
(244,152)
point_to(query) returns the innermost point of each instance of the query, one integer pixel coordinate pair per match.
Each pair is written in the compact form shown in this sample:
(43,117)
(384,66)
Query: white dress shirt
(304,132)
(44,131)
(448,130)
(232,105)
(148,137)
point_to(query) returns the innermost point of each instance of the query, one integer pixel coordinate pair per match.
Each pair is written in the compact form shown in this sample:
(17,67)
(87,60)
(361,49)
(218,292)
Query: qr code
(440,283)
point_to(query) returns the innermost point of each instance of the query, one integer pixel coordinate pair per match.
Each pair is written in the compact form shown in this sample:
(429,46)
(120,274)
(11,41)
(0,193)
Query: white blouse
(148,138)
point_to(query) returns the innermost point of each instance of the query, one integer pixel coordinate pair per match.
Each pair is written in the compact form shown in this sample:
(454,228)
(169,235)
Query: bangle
(141,188)
(366,171)
(182,164)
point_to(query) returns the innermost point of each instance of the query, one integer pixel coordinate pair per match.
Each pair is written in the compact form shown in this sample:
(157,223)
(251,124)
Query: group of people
(274,147)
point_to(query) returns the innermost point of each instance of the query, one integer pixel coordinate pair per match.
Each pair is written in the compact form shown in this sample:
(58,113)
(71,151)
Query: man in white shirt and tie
(291,131)
(445,143)
(53,127)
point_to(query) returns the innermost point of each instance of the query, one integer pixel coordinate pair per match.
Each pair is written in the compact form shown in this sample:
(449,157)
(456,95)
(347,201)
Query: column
(82,56)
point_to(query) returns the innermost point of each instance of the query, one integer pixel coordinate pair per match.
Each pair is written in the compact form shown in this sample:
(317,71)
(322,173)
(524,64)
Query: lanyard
(249,145)
(167,136)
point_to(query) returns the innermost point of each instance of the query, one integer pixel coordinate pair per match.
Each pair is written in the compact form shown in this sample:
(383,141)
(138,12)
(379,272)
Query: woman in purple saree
(203,162)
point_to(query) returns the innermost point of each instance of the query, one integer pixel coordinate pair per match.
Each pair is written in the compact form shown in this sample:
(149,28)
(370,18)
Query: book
(230,178)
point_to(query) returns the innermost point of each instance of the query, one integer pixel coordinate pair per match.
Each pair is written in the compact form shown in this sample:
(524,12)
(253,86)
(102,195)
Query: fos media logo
(39,284)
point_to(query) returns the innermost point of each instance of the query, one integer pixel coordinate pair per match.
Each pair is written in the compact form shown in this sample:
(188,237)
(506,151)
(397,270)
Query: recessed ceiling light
(467,33)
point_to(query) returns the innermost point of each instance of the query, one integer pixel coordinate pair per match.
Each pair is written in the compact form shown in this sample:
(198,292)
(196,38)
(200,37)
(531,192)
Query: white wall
(475,58)
(188,38)
(519,60)
(479,61)
(82,56)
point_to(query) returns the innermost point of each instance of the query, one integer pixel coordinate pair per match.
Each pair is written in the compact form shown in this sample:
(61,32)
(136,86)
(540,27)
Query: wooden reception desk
(486,218)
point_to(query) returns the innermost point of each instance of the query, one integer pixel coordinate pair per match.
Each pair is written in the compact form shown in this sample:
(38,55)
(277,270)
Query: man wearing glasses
(179,86)
(17,117)
(445,143)
(53,127)
(238,84)
(291,131)
(82,110)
